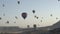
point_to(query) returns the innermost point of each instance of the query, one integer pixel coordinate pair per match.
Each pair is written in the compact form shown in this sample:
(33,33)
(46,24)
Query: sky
(43,8)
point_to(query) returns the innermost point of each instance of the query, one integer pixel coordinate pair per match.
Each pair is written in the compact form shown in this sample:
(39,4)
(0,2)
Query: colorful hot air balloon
(24,15)
(33,11)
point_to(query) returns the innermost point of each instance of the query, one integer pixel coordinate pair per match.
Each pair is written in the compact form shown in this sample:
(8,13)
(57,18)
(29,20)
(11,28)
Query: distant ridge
(56,25)
(9,29)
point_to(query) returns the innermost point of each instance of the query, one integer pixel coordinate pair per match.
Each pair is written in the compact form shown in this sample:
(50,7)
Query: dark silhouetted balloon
(28,26)
(56,18)
(16,17)
(51,15)
(0,18)
(33,11)
(41,20)
(24,15)
(34,26)
(58,0)
(14,22)
(4,14)
(18,2)
(37,17)
(3,5)
(42,17)
(7,22)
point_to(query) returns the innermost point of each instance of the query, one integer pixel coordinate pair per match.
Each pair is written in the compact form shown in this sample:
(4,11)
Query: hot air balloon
(0,18)
(42,17)
(14,22)
(18,2)
(34,26)
(3,5)
(56,18)
(16,17)
(37,17)
(28,26)
(51,15)
(7,22)
(58,0)
(41,20)
(33,11)
(4,14)
(24,15)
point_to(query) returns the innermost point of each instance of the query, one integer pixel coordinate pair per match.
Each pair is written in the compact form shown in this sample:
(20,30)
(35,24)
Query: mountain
(56,25)
(9,29)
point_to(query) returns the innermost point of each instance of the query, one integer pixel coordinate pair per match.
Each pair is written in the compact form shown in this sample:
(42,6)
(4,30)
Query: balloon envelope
(18,2)
(51,15)
(58,0)
(37,17)
(7,22)
(14,22)
(24,15)
(42,17)
(0,18)
(41,20)
(16,17)
(3,5)
(56,18)
(33,11)
(4,14)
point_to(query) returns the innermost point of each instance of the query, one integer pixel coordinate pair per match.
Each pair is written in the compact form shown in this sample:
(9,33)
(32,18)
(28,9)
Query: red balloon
(24,15)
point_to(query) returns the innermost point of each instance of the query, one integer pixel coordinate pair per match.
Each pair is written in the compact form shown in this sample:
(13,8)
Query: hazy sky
(43,9)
